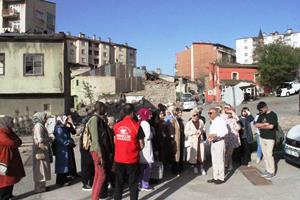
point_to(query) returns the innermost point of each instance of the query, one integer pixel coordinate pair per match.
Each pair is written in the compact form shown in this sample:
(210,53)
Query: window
(47,107)
(50,19)
(246,47)
(246,54)
(246,61)
(72,51)
(39,15)
(245,40)
(83,51)
(2,64)
(104,46)
(83,43)
(96,53)
(235,76)
(83,60)
(33,64)
(90,52)
(131,54)
(104,54)
(96,61)
(77,82)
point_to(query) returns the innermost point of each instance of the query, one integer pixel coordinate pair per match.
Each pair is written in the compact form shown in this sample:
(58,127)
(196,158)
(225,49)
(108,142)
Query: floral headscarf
(61,119)
(144,114)
(6,122)
(39,117)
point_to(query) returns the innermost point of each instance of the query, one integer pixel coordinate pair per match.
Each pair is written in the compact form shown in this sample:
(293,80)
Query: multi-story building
(94,52)
(27,16)
(245,47)
(193,62)
(34,74)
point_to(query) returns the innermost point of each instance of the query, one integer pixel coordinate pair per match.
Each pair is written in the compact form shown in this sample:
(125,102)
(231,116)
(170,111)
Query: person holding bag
(41,152)
(11,166)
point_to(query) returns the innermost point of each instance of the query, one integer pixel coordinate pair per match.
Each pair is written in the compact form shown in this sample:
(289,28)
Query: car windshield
(187,97)
(285,85)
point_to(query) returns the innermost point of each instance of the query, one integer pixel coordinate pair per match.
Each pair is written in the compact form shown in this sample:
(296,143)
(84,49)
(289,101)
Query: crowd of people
(119,152)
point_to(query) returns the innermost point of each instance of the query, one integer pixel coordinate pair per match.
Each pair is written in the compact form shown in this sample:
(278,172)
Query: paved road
(285,185)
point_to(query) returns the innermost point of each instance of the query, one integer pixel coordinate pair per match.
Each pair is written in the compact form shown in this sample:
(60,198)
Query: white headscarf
(62,119)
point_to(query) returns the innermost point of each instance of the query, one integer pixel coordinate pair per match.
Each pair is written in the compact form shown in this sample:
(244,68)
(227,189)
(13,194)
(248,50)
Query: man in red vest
(129,141)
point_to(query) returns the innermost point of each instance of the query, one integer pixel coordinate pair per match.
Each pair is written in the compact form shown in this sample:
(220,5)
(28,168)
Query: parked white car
(287,89)
(188,101)
(292,146)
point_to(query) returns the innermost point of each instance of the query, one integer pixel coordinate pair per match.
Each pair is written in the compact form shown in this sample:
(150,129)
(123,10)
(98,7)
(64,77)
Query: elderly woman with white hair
(41,152)
(194,130)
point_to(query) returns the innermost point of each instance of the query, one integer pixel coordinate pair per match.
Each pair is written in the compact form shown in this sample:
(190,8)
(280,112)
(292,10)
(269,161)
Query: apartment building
(27,16)
(245,47)
(193,62)
(94,52)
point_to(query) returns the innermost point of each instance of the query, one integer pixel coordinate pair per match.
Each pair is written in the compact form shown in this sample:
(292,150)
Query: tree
(88,92)
(277,63)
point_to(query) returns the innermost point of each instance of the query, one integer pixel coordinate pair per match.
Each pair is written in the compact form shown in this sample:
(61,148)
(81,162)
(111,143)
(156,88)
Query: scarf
(39,117)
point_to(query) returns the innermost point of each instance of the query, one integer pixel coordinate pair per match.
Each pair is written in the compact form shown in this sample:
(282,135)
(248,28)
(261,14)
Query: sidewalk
(186,186)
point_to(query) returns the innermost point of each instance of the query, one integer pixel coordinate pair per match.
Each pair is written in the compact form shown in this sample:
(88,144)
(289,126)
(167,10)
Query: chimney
(94,37)
(82,35)
(109,40)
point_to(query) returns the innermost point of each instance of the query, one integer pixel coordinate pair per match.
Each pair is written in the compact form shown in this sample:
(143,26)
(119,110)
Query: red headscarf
(144,114)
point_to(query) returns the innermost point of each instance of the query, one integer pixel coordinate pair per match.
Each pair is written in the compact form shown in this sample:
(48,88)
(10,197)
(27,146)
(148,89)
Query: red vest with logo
(126,141)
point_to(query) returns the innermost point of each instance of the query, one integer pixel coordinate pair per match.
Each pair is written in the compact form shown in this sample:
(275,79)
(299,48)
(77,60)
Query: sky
(158,29)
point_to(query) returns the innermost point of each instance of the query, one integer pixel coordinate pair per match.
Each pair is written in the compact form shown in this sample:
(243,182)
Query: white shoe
(196,171)
(203,172)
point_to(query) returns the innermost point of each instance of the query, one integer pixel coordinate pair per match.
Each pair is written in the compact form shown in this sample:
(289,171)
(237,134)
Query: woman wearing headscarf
(247,136)
(146,155)
(41,152)
(194,130)
(11,166)
(64,161)
(232,139)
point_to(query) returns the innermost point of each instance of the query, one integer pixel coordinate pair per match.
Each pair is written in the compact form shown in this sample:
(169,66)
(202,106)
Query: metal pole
(234,100)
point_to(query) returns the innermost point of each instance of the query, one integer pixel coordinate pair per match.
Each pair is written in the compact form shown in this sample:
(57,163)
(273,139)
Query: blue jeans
(258,151)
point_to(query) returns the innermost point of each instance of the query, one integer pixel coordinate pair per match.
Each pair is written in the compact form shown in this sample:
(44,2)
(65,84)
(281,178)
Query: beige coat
(174,130)
(195,149)
(41,140)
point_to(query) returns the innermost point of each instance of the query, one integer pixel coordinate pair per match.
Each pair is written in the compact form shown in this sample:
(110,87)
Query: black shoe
(87,188)
(218,182)
(211,180)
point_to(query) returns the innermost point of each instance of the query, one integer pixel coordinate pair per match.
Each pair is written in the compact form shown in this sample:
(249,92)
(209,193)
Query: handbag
(3,169)
(187,143)
(40,155)
(279,136)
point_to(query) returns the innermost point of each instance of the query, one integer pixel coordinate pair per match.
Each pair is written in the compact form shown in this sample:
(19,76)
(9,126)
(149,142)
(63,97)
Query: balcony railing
(10,29)
(10,13)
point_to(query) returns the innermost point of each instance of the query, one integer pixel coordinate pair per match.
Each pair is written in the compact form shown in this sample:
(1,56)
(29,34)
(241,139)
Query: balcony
(11,29)
(10,13)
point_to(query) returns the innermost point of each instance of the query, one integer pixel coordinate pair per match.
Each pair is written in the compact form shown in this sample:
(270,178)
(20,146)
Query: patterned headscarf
(144,114)
(39,117)
(6,122)
(61,119)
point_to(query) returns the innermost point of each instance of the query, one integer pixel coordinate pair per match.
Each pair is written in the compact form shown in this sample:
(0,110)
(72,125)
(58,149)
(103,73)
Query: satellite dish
(233,96)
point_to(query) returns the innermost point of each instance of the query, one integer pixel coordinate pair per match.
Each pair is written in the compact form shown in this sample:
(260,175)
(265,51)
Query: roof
(214,44)
(236,65)
(31,37)
(234,82)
